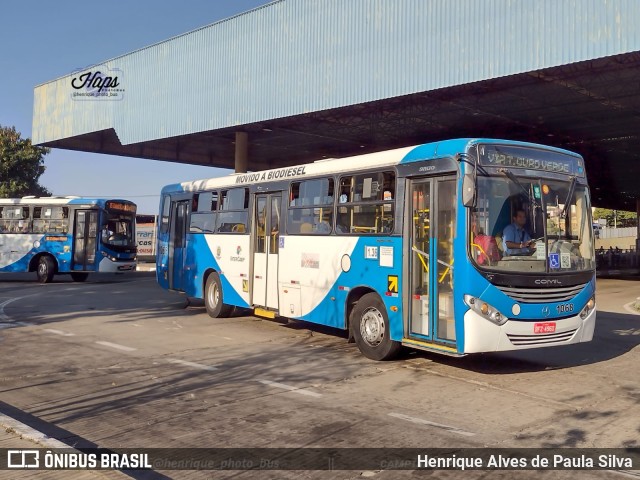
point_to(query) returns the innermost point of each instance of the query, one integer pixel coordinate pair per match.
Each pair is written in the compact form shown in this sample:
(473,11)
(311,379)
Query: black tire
(45,269)
(213,298)
(79,276)
(370,325)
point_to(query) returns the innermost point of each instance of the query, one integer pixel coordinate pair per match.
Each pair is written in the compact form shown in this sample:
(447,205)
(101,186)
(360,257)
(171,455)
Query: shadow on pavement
(615,335)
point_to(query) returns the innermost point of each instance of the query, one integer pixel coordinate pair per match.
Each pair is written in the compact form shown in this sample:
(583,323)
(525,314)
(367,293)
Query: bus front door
(266,233)
(84,239)
(431,230)
(177,244)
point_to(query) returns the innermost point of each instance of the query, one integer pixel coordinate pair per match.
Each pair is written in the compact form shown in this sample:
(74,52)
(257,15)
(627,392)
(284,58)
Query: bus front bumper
(481,335)
(109,266)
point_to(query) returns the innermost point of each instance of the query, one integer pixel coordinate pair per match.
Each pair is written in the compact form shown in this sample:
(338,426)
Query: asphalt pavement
(118,362)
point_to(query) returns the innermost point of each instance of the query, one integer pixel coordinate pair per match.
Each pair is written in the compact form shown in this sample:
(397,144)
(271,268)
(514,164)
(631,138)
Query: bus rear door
(266,231)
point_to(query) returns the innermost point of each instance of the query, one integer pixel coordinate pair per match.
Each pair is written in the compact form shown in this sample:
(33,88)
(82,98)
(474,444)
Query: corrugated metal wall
(298,56)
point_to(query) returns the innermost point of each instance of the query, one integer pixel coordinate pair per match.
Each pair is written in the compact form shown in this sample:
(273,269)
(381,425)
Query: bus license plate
(546,327)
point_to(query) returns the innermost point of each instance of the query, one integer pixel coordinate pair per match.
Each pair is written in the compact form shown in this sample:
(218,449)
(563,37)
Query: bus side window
(203,212)
(3,224)
(366,203)
(15,219)
(164,215)
(233,213)
(58,218)
(39,224)
(311,207)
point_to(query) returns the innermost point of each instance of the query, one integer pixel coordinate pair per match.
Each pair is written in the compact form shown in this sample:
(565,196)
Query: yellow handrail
(444,274)
(426,268)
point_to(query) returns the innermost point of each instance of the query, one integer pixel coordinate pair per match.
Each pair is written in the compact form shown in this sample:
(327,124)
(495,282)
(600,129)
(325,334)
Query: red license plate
(546,327)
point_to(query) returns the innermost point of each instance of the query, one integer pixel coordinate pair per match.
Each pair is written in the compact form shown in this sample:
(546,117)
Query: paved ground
(118,362)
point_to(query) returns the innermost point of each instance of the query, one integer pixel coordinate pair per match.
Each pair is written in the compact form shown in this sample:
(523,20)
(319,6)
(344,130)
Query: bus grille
(536,295)
(541,339)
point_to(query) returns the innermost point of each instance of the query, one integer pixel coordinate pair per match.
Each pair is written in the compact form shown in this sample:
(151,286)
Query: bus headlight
(485,310)
(588,307)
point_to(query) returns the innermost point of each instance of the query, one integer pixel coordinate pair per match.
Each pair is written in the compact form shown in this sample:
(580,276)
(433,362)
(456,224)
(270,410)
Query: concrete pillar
(242,152)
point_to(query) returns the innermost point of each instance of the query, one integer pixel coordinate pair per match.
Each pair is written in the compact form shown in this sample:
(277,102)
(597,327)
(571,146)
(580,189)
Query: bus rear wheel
(213,297)
(370,325)
(79,276)
(45,270)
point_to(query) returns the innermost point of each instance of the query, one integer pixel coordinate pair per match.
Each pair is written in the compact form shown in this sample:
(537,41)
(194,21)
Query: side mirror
(469,187)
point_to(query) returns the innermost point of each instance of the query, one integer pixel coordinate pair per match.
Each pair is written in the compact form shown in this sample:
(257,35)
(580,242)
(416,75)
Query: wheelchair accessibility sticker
(554,260)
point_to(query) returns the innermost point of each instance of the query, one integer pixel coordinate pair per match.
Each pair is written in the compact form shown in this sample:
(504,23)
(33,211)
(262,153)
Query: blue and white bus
(67,235)
(402,247)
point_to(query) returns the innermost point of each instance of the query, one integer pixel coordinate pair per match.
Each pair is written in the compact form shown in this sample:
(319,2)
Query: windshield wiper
(515,180)
(572,187)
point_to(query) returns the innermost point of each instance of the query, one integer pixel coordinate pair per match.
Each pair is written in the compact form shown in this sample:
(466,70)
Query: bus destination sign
(532,159)
(121,206)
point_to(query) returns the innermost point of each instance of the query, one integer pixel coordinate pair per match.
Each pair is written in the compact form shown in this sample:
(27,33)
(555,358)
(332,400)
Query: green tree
(619,218)
(21,165)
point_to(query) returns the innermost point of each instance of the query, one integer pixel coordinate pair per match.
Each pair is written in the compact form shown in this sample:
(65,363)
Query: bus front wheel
(79,276)
(46,269)
(370,324)
(213,297)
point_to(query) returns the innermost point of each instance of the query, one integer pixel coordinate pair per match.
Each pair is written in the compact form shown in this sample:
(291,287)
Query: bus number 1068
(565,307)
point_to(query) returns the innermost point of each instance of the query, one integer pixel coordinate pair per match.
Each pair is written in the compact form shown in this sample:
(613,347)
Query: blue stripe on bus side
(199,259)
(21,265)
(56,249)
(364,273)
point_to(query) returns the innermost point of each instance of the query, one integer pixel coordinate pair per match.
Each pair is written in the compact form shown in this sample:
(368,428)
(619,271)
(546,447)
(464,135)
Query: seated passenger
(489,253)
(515,239)
(322,227)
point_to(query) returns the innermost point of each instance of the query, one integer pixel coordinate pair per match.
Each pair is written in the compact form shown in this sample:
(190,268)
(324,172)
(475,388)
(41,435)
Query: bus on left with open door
(67,235)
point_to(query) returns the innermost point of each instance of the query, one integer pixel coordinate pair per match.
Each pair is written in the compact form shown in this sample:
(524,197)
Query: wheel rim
(42,269)
(214,295)
(372,326)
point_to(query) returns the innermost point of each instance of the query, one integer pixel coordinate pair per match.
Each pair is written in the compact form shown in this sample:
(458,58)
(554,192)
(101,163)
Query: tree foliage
(619,218)
(21,165)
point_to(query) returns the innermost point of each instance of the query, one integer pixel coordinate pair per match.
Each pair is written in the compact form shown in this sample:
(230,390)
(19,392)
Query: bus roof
(58,201)
(416,153)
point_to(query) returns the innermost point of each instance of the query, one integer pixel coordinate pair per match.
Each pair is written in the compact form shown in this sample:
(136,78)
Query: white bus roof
(427,151)
(318,168)
(70,200)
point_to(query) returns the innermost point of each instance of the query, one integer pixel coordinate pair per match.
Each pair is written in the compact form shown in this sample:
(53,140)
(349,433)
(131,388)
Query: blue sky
(41,40)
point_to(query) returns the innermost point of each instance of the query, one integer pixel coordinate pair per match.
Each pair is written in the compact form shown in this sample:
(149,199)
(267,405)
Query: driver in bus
(515,238)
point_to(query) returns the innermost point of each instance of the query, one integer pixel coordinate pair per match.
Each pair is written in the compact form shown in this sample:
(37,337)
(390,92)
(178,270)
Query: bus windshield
(524,224)
(118,229)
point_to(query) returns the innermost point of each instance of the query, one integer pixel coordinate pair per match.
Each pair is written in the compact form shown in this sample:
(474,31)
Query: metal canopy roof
(581,95)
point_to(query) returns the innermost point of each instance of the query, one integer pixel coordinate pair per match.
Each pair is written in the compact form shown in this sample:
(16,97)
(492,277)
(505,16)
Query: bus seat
(306,228)
(238,228)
